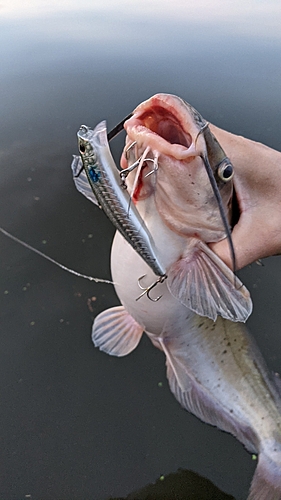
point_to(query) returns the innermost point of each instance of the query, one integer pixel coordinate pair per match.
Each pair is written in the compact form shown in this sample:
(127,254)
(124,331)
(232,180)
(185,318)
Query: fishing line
(85,276)
(221,209)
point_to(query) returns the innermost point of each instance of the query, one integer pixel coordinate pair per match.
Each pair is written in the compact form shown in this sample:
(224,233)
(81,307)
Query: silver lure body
(103,180)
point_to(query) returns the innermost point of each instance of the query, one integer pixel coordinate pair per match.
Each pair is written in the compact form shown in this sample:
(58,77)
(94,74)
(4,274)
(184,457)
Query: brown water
(74,422)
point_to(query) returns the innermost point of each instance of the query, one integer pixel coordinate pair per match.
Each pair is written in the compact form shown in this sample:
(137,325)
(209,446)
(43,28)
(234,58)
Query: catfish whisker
(221,209)
(118,128)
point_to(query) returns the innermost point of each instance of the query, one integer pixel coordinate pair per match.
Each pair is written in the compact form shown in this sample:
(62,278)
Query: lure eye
(225,172)
(82,148)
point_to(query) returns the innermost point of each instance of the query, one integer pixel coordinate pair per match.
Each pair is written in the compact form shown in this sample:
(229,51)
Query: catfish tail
(266,483)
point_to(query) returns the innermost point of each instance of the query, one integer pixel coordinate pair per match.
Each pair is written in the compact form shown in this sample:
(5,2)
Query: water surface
(76,423)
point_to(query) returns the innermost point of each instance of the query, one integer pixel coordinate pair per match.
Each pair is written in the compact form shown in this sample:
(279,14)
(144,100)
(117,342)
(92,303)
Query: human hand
(257,182)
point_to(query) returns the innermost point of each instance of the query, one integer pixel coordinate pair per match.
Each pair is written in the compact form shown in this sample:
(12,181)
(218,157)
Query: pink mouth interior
(166,125)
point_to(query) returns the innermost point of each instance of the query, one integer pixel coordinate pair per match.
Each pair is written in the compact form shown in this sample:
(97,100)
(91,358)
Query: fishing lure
(100,181)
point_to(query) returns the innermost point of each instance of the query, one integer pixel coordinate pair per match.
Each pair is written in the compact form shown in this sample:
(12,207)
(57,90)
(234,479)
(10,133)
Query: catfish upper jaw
(164,124)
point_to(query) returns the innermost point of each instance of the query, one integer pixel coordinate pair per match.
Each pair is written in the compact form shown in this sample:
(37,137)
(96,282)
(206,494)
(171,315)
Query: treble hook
(146,290)
(155,166)
(129,148)
(125,172)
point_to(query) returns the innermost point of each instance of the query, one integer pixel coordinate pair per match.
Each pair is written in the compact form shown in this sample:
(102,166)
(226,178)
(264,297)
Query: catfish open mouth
(163,123)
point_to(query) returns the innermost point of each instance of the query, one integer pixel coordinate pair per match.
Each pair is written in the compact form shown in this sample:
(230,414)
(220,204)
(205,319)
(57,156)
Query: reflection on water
(76,423)
(250,17)
(182,485)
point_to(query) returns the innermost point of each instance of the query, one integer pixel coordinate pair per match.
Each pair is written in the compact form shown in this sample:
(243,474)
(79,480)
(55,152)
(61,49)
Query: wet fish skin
(102,186)
(180,141)
(181,137)
(215,369)
(198,279)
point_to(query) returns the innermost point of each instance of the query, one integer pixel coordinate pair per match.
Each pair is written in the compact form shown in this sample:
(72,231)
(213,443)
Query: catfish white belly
(214,369)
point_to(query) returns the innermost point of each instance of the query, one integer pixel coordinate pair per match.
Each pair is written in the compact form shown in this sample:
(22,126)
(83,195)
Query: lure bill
(100,181)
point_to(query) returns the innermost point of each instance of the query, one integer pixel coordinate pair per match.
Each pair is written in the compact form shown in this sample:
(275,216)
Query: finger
(252,240)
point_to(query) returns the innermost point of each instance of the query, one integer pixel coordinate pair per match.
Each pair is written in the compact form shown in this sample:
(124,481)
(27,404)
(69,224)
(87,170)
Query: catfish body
(215,369)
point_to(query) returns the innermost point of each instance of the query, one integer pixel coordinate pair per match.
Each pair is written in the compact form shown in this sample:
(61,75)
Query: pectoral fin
(81,182)
(204,284)
(116,332)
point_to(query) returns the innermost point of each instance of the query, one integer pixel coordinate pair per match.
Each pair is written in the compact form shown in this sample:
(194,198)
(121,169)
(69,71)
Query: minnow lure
(101,183)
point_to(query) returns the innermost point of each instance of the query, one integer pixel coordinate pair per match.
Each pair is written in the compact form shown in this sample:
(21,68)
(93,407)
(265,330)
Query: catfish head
(181,168)
(173,142)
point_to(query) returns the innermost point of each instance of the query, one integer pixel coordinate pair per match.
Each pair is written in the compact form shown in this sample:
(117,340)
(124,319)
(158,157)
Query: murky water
(76,423)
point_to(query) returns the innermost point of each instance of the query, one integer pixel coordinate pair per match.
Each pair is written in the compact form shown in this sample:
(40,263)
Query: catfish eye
(225,172)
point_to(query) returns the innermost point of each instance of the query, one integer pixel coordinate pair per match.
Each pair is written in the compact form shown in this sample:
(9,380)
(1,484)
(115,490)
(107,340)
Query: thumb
(251,241)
